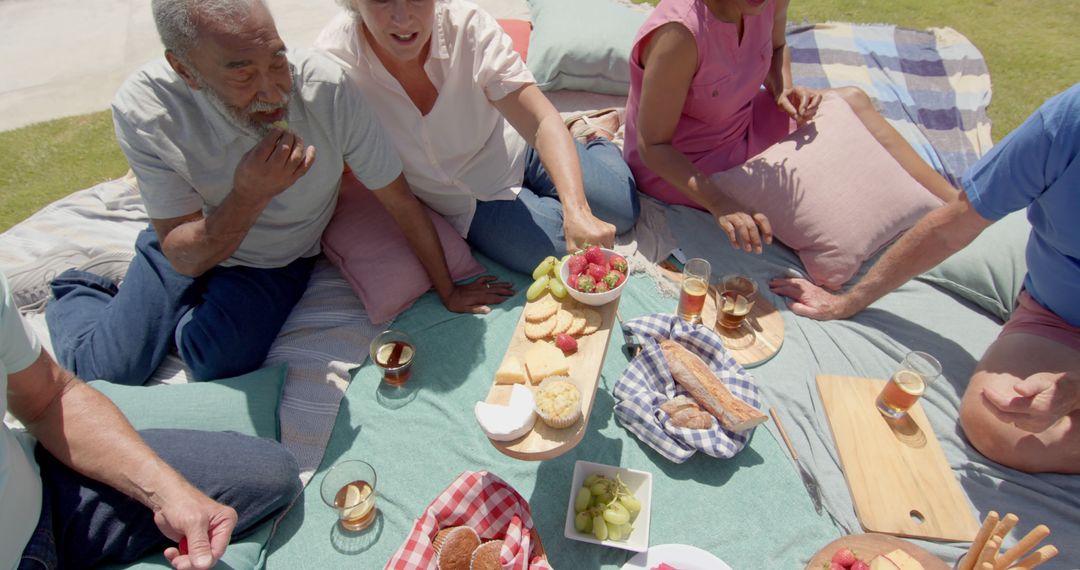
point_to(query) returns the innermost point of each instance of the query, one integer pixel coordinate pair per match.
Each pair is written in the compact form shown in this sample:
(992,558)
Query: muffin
(455,548)
(486,556)
(558,402)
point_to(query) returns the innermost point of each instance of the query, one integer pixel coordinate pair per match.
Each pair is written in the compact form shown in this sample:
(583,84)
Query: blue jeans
(222,322)
(85,523)
(520,233)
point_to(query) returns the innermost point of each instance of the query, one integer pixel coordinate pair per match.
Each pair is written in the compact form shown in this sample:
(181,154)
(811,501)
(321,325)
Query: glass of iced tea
(737,296)
(393,352)
(909,382)
(695,286)
(349,488)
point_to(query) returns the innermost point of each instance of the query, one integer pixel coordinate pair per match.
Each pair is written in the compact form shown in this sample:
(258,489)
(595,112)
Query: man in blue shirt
(1022,406)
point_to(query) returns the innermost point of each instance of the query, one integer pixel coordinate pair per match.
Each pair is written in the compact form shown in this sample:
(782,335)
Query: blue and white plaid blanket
(933,86)
(647,383)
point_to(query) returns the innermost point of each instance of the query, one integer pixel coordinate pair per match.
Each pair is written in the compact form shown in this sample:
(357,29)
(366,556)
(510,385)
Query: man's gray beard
(241,118)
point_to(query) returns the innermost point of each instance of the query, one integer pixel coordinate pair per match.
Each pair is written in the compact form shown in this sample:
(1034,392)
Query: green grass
(1029,45)
(46,161)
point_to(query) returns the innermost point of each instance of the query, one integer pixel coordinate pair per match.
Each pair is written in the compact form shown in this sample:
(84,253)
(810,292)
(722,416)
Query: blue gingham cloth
(647,383)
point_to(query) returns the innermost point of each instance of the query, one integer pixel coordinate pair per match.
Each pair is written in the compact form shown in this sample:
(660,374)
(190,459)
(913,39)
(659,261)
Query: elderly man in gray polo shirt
(238,147)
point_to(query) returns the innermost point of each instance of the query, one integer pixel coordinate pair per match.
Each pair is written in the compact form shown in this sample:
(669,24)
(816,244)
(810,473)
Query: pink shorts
(1030,317)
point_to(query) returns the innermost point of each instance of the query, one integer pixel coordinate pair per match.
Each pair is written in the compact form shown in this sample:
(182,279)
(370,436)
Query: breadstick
(1025,544)
(968,561)
(989,552)
(1041,555)
(1005,527)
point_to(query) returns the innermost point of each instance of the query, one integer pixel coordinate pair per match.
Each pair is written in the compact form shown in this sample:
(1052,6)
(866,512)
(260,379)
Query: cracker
(563,319)
(542,329)
(541,309)
(593,320)
(577,324)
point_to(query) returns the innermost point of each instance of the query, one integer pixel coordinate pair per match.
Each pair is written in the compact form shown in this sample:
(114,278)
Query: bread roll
(694,375)
(692,418)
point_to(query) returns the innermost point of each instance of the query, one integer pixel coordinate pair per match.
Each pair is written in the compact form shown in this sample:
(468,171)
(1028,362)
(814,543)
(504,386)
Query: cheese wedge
(511,372)
(505,423)
(543,360)
(895,560)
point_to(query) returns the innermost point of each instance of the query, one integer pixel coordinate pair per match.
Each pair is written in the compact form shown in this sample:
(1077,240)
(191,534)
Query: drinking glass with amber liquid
(695,286)
(737,296)
(393,352)
(908,384)
(349,488)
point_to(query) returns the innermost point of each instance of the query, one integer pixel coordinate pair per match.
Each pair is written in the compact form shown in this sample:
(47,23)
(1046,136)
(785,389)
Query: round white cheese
(504,423)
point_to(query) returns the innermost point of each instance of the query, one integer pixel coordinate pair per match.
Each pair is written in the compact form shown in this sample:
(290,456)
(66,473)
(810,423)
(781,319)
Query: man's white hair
(176,19)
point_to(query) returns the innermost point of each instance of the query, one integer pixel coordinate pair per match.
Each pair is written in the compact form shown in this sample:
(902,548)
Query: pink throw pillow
(519,32)
(365,243)
(832,193)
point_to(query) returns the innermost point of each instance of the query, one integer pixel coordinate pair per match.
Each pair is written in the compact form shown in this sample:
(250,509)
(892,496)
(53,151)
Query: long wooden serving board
(896,470)
(544,442)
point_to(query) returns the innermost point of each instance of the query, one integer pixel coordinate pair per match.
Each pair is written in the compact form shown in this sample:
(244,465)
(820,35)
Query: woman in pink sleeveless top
(696,106)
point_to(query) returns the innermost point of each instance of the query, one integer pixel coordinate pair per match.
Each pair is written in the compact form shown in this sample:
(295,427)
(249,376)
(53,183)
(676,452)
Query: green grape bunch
(605,508)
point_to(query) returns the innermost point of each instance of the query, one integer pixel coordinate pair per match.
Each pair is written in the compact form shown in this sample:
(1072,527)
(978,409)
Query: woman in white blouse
(480,143)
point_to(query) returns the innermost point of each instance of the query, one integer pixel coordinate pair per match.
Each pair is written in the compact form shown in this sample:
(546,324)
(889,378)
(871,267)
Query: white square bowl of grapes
(610,506)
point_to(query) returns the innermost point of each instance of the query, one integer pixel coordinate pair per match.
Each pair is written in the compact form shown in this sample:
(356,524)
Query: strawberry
(586,284)
(860,565)
(835,566)
(593,254)
(571,280)
(612,279)
(597,272)
(566,343)
(844,557)
(617,262)
(577,264)
(602,287)
(622,277)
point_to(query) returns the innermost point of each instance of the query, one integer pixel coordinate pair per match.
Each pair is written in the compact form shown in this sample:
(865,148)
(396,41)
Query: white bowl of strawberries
(594,276)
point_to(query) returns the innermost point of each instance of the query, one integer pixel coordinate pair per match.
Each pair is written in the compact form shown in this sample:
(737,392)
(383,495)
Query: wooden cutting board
(766,321)
(867,546)
(897,473)
(543,442)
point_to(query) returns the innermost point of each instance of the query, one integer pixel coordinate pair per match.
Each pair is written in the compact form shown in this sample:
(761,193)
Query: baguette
(694,375)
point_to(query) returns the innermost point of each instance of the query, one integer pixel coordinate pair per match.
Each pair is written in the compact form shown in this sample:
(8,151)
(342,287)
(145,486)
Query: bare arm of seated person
(800,103)
(410,215)
(537,121)
(670,59)
(194,244)
(83,429)
(939,234)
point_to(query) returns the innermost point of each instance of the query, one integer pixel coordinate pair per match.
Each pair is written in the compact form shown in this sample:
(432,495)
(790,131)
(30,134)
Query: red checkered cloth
(491,507)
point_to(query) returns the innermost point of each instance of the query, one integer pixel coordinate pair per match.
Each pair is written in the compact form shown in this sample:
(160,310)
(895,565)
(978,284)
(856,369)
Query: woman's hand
(799,103)
(476,296)
(581,228)
(746,231)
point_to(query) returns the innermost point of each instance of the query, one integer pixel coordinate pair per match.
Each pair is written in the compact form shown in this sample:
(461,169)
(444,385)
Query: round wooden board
(768,327)
(867,546)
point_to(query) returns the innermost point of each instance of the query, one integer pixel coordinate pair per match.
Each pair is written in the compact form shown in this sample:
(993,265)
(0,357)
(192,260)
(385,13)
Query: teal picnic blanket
(751,511)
